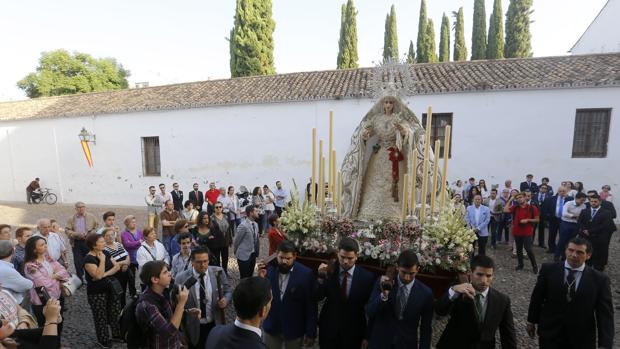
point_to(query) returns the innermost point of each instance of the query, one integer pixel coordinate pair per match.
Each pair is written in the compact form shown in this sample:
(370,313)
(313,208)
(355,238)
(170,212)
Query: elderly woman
(151,249)
(132,240)
(104,300)
(44,272)
(118,253)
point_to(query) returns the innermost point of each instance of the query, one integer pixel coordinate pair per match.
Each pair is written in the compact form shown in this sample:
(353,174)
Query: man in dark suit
(529,185)
(398,307)
(196,197)
(571,303)
(252,301)
(345,287)
(538,200)
(292,319)
(204,308)
(545,181)
(177,197)
(553,209)
(596,225)
(476,311)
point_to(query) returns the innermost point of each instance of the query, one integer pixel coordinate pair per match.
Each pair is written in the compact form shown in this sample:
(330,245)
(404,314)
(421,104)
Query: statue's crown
(391,77)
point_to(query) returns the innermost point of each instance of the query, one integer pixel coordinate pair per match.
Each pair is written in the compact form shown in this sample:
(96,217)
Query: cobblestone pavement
(79,330)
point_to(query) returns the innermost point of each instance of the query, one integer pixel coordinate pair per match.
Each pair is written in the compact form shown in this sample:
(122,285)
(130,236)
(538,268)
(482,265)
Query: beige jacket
(91,227)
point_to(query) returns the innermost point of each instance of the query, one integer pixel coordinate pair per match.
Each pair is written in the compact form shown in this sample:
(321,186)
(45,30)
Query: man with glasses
(177,197)
(281,198)
(399,306)
(78,226)
(154,206)
(168,218)
(596,225)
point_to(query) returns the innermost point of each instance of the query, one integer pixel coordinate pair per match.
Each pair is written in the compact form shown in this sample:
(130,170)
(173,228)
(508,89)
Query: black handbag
(114,286)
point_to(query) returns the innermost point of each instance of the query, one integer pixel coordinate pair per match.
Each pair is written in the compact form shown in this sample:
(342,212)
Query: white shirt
(578,273)
(280,202)
(55,245)
(207,287)
(570,212)
(249,328)
(492,204)
(272,198)
(477,214)
(283,282)
(158,251)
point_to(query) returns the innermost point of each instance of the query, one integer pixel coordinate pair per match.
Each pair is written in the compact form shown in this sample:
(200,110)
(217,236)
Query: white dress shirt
(578,273)
(571,211)
(55,245)
(249,328)
(207,287)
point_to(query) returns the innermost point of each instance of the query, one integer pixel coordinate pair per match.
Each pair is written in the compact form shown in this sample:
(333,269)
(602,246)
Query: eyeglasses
(186,226)
(218,206)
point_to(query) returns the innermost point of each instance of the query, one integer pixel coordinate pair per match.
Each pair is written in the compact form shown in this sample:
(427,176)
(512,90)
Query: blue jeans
(567,232)
(166,240)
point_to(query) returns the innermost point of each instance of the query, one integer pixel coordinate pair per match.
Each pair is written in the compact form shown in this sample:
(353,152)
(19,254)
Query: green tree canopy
(495,46)
(518,37)
(411,53)
(347,52)
(479,32)
(431,49)
(390,38)
(251,39)
(460,50)
(421,45)
(444,40)
(63,73)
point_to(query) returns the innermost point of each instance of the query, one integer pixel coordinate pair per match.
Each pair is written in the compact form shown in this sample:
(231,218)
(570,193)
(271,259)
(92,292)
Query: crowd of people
(171,278)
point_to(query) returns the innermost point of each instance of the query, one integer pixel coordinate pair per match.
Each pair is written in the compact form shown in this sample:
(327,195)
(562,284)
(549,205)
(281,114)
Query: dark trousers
(219,257)
(493,225)
(600,251)
(246,268)
(205,329)
(504,227)
(567,231)
(541,231)
(482,245)
(106,309)
(79,252)
(554,227)
(279,211)
(131,279)
(524,242)
(123,279)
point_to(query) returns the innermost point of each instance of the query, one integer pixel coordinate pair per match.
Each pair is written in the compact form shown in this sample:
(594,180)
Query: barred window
(438,131)
(591,133)
(151,165)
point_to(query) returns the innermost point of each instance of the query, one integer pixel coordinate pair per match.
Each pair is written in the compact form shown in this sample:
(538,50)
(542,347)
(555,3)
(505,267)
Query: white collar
(350,271)
(581,268)
(249,328)
(408,286)
(197,275)
(485,293)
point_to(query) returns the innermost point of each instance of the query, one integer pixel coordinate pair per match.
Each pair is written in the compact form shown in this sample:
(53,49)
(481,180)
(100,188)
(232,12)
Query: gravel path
(79,330)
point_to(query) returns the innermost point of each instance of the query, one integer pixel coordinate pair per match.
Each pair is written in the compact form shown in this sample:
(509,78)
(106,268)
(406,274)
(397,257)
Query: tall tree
(390,38)
(479,32)
(421,45)
(444,40)
(251,39)
(431,49)
(495,46)
(62,73)
(411,53)
(343,19)
(460,49)
(347,54)
(518,37)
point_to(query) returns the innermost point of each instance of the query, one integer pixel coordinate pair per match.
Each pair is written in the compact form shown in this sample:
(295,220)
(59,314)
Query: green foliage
(251,39)
(495,46)
(62,73)
(479,32)
(390,38)
(347,46)
(444,41)
(421,45)
(411,53)
(431,49)
(518,37)
(460,50)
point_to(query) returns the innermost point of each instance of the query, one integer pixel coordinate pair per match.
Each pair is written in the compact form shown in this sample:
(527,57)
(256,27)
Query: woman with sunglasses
(220,228)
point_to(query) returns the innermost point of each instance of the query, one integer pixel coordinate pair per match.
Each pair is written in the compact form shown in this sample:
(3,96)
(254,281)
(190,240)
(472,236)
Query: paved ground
(79,329)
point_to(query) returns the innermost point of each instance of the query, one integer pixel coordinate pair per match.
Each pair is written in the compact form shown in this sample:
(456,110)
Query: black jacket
(233,337)
(177,200)
(532,187)
(197,200)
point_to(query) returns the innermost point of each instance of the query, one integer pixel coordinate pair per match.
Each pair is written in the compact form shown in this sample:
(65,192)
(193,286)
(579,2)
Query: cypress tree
(421,45)
(390,38)
(251,39)
(411,53)
(518,37)
(343,17)
(444,40)
(479,32)
(495,46)
(460,50)
(431,49)
(347,55)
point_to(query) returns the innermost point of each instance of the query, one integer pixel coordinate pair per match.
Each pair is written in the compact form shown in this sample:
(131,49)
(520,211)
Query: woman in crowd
(276,234)
(203,229)
(482,186)
(578,187)
(259,202)
(151,249)
(270,206)
(103,296)
(457,188)
(571,188)
(473,191)
(132,240)
(118,253)
(190,214)
(231,208)
(606,193)
(46,272)
(220,229)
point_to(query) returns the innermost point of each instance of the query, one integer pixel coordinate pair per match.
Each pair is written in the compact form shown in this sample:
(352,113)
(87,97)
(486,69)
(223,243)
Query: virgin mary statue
(379,156)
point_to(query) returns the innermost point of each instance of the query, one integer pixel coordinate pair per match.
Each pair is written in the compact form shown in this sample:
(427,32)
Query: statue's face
(388,106)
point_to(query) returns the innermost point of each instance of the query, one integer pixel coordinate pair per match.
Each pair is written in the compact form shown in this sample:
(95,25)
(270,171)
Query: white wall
(496,135)
(602,36)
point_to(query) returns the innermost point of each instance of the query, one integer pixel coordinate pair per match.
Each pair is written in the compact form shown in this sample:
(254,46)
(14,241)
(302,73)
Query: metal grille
(591,133)
(438,126)
(151,165)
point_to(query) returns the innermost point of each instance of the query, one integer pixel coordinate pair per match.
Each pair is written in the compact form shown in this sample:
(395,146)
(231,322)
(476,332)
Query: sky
(164,42)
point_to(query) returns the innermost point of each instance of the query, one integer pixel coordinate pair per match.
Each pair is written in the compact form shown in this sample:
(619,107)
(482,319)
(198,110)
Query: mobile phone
(43,295)
(270,259)
(190,282)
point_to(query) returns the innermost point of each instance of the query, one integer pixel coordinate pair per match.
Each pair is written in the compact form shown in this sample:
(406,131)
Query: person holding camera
(399,306)
(523,218)
(42,338)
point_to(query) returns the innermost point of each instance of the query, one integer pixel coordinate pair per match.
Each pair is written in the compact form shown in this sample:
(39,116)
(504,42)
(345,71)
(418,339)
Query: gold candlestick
(333,174)
(405,196)
(312,191)
(427,142)
(321,175)
(329,155)
(444,175)
(338,191)
(414,174)
(435,176)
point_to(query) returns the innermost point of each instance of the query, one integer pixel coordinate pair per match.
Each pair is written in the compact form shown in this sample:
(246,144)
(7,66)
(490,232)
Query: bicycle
(45,195)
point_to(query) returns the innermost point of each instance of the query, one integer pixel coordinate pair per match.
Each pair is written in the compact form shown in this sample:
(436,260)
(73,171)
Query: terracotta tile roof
(598,70)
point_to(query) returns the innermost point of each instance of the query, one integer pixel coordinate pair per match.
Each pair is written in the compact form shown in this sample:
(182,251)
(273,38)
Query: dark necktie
(478,305)
(571,284)
(203,297)
(593,213)
(403,297)
(344,284)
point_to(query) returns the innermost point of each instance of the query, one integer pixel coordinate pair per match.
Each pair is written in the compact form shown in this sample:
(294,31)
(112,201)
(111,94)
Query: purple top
(132,243)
